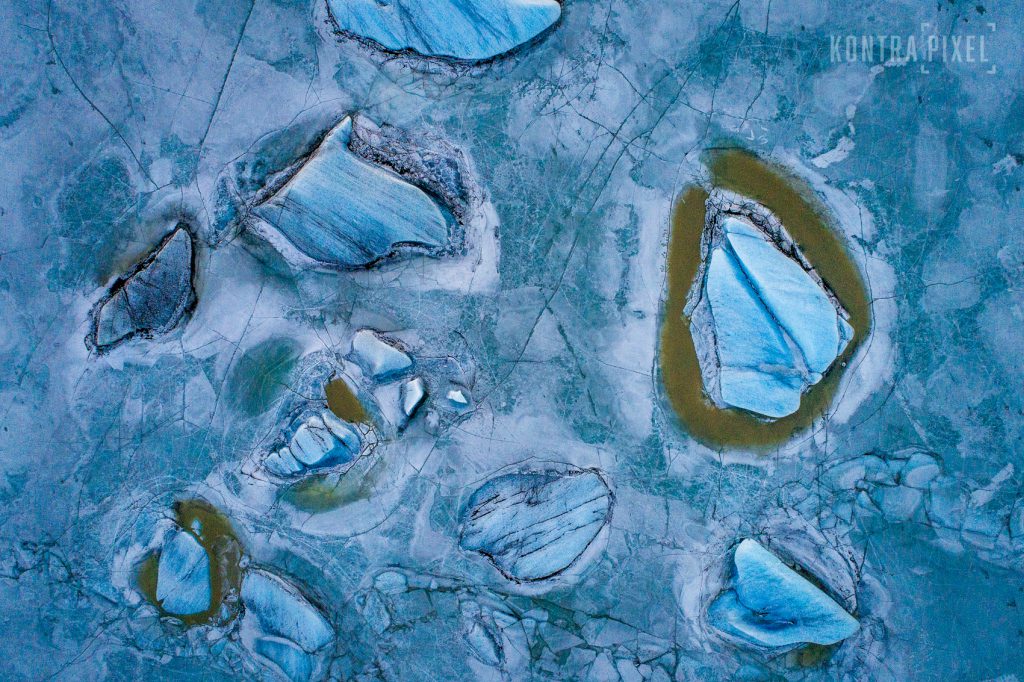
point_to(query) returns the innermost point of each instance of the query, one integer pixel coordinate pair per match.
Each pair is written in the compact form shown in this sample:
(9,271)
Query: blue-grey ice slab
(343,212)
(151,299)
(282,612)
(319,441)
(183,576)
(771,605)
(535,525)
(295,663)
(462,29)
(775,330)
(377,357)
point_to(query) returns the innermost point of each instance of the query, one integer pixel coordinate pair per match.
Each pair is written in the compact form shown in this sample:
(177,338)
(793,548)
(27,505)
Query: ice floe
(151,299)
(765,327)
(377,357)
(317,441)
(462,29)
(339,211)
(534,525)
(771,605)
(183,576)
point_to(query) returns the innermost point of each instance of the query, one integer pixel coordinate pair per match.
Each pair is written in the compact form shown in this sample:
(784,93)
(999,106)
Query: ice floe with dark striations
(771,605)
(764,326)
(470,30)
(376,356)
(282,626)
(339,211)
(183,576)
(151,299)
(535,525)
(316,442)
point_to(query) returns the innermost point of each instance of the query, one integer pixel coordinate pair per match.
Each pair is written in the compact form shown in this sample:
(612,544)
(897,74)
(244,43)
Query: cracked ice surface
(120,119)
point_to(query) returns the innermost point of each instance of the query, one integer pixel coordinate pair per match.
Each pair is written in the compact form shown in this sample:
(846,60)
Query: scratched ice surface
(534,336)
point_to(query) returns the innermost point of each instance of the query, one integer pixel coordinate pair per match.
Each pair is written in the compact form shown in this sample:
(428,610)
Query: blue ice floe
(281,626)
(534,525)
(342,212)
(470,30)
(183,576)
(319,441)
(151,299)
(775,329)
(771,605)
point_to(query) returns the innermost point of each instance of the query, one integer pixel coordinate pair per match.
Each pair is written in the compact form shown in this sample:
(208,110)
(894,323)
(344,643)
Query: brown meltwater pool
(806,219)
(344,403)
(218,538)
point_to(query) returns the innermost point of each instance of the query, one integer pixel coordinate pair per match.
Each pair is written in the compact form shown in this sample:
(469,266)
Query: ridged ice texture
(282,612)
(463,29)
(535,525)
(183,576)
(151,299)
(343,212)
(771,605)
(322,440)
(776,330)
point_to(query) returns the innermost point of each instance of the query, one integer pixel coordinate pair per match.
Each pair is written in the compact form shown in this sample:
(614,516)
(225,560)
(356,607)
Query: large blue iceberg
(462,29)
(771,605)
(319,441)
(535,525)
(183,576)
(765,327)
(342,212)
(281,611)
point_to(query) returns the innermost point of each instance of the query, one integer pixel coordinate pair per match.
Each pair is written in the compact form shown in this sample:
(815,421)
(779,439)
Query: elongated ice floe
(316,442)
(282,626)
(771,605)
(535,525)
(339,211)
(764,326)
(470,30)
(183,576)
(151,299)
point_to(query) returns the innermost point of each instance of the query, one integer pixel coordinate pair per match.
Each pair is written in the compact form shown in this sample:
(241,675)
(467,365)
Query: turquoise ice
(773,606)
(183,576)
(343,212)
(776,329)
(463,29)
(319,441)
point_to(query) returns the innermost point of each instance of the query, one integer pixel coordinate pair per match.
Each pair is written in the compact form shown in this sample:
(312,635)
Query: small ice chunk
(413,392)
(343,212)
(457,398)
(771,605)
(462,29)
(282,612)
(183,576)
(377,357)
(535,525)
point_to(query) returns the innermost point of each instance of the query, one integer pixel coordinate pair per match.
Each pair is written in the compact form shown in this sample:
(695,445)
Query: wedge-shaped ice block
(377,357)
(462,29)
(771,605)
(775,329)
(282,612)
(151,299)
(183,576)
(343,212)
(535,525)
